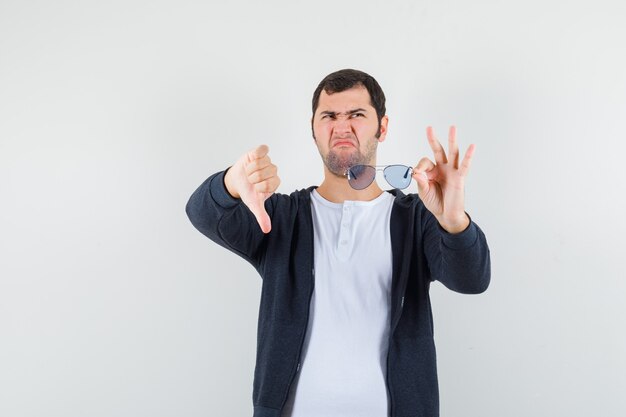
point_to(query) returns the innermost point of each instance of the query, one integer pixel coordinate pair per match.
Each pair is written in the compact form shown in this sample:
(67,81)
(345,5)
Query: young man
(345,324)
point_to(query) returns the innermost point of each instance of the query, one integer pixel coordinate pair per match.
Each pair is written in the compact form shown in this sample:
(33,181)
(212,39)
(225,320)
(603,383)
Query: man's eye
(357,114)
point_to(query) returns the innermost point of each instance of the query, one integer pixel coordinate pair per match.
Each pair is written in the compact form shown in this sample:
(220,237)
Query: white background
(112,113)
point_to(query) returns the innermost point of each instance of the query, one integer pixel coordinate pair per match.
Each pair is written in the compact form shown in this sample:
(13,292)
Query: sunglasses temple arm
(351,175)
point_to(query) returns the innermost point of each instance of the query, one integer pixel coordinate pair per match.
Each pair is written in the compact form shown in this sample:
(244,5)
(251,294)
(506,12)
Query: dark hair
(344,80)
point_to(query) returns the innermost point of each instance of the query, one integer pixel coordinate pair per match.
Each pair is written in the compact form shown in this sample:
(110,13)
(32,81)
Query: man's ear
(383,128)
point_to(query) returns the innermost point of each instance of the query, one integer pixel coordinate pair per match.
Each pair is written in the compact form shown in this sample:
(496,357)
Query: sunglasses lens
(361,176)
(398,176)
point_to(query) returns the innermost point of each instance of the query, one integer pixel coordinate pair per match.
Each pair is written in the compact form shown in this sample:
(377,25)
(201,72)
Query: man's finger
(440,154)
(262,174)
(467,160)
(424,165)
(257,164)
(420,175)
(422,182)
(268,186)
(453,147)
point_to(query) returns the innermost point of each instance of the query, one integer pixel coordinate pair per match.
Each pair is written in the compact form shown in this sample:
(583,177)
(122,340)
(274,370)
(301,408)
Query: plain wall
(112,113)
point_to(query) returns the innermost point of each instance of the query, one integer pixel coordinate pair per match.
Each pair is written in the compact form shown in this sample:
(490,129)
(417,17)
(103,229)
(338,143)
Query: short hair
(345,79)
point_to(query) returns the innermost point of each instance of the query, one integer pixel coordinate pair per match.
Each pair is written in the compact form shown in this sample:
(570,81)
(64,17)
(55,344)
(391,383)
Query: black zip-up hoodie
(422,252)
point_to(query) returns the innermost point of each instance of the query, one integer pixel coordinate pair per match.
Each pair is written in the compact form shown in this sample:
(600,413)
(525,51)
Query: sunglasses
(361,176)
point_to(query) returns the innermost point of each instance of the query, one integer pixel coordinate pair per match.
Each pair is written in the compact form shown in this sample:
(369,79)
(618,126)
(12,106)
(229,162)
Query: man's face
(345,127)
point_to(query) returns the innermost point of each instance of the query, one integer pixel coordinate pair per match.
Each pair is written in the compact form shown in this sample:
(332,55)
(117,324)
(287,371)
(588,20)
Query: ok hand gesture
(441,184)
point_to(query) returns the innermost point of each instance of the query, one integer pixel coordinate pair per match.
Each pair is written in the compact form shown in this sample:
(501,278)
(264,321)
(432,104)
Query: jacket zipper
(393,326)
(306,326)
(308,307)
(390,407)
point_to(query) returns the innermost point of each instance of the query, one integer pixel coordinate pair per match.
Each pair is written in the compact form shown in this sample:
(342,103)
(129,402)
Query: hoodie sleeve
(226,220)
(460,261)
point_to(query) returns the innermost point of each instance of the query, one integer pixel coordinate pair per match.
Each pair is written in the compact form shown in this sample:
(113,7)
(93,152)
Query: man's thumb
(258,152)
(258,209)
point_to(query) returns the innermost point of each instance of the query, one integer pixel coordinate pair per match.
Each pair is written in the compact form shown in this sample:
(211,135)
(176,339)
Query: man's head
(348,119)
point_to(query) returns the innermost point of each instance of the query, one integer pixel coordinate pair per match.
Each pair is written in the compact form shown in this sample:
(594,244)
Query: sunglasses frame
(378,168)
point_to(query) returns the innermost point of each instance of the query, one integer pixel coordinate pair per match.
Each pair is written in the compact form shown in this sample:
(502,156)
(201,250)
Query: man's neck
(337,190)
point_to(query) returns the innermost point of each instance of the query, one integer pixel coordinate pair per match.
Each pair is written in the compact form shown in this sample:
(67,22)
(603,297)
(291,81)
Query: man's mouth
(344,143)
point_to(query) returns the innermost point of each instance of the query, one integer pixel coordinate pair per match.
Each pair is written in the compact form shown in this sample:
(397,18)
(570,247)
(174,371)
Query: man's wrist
(229,185)
(454,226)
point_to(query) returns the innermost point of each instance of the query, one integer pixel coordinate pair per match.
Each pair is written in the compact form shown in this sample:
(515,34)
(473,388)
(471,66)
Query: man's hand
(254,179)
(441,185)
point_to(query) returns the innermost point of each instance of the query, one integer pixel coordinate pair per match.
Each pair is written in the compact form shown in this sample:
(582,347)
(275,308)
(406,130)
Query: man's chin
(340,169)
(339,162)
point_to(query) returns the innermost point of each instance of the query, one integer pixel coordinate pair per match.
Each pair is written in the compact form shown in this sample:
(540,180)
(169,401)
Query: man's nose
(343,125)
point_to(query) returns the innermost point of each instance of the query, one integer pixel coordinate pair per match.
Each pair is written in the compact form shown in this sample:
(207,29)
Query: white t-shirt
(344,357)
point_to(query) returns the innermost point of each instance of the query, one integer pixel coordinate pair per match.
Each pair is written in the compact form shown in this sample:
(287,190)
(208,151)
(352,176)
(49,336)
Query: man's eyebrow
(348,112)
